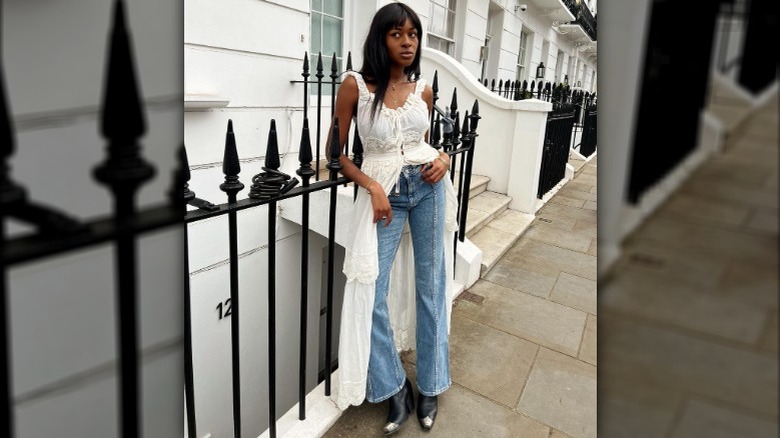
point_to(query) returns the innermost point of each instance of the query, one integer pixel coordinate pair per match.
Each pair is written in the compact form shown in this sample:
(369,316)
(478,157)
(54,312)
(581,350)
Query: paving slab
(530,282)
(589,341)
(462,413)
(702,418)
(565,200)
(548,234)
(576,194)
(534,319)
(479,360)
(576,292)
(541,257)
(673,359)
(561,392)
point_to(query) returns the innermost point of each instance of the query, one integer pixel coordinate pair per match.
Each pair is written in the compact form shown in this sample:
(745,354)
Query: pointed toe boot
(426,410)
(401,404)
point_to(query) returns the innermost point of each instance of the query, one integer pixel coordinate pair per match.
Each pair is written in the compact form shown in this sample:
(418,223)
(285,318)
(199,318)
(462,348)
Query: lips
(407,54)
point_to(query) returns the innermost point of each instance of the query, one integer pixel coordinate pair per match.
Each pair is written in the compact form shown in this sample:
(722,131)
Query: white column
(622,36)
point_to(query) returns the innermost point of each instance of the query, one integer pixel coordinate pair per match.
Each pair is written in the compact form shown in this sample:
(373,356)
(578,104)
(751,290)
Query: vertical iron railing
(123,171)
(305,172)
(555,153)
(588,144)
(333,83)
(231,168)
(334,167)
(268,188)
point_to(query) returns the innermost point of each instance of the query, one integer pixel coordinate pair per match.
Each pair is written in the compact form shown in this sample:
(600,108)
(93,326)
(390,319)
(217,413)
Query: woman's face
(401,43)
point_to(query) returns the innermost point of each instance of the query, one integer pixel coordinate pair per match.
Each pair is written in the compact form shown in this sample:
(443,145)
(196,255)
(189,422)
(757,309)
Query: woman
(395,279)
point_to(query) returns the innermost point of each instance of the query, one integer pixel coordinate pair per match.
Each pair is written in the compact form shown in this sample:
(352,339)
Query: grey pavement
(523,338)
(688,344)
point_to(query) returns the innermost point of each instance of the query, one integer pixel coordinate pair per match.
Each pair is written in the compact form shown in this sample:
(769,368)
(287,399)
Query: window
(521,55)
(559,68)
(441,26)
(327,24)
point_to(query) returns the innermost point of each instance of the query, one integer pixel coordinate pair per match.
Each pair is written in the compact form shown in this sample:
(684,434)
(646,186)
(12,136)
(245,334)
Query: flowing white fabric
(394,138)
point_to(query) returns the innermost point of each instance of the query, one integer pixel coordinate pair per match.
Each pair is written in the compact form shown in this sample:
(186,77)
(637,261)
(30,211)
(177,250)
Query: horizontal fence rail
(123,172)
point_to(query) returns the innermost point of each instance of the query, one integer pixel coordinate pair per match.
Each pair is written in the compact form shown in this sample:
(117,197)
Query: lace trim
(350,393)
(361,267)
(382,145)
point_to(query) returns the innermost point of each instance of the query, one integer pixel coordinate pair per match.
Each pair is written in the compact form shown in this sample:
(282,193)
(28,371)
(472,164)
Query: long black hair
(376,63)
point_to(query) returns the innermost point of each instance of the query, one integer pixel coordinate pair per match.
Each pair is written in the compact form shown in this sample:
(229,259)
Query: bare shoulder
(349,89)
(427,95)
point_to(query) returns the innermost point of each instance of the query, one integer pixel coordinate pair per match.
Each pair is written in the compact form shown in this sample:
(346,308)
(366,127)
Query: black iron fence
(123,171)
(555,152)
(588,143)
(573,116)
(271,186)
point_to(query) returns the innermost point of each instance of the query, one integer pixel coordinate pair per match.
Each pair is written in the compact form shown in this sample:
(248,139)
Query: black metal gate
(557,138)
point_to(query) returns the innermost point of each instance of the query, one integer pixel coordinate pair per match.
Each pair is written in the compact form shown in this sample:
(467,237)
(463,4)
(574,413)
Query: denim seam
(387,396)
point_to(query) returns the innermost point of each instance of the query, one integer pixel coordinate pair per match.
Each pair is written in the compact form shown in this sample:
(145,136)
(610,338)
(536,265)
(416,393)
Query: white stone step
(483,208)
(495,238)
(478,184)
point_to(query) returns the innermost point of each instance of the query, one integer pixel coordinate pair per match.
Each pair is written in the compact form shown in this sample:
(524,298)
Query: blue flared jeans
(423,204)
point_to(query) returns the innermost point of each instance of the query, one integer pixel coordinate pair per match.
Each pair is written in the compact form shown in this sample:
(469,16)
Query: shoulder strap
(360,82)
(420,86)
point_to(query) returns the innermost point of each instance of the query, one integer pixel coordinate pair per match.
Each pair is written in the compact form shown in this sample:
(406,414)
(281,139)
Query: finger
(389,218)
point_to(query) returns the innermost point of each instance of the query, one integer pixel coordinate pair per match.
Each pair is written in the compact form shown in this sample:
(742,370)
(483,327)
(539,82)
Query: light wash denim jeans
(424,205)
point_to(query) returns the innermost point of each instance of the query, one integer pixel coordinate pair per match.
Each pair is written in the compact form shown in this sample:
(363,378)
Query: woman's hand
(436,169)
(381,205)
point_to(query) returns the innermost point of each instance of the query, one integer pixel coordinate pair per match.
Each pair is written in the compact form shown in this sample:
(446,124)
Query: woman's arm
(346,106)
(435,170)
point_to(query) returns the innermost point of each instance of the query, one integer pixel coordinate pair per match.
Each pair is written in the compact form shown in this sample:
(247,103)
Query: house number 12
(226,307)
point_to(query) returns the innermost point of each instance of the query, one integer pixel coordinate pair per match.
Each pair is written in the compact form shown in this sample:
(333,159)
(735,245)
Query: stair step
(483,208)
(478,184)
(498,235)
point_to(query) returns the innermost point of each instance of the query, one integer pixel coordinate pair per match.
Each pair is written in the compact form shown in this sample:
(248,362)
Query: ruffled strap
(360,83)
(420,86)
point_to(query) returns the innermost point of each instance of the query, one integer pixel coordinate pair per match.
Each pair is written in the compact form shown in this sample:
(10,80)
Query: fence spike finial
(122,113)
(305,73)
(475,117)
(231,167)
(435,83)
(186,174)
(334,151)
(304,150)
(271,182)
(124,170)
(334,66)
(319,64)
(454,104)
(349,61)
(272,148)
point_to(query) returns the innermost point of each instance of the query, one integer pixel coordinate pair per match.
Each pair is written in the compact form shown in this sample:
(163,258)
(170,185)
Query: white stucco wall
(623,37)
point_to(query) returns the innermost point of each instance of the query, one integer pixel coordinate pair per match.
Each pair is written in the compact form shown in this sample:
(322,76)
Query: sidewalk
(689,316)
(523,338)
